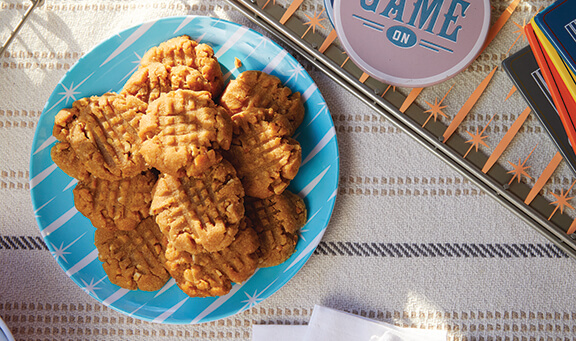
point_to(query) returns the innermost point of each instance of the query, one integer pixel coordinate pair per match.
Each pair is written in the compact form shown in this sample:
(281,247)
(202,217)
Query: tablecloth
(411,241)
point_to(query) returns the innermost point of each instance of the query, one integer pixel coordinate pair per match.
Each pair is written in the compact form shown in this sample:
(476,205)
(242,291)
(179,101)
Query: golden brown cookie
(277,220)
(257,89)
(182,131)
(212,273)
(148,82)
(134,259)
(115,204)
(65,158)
(200,213)
(102,134)
(184,51)
(265,158)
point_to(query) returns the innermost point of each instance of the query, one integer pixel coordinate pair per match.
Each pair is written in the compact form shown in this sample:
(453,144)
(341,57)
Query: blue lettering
(395,8)
(426,11)
(371,7)
(451,17)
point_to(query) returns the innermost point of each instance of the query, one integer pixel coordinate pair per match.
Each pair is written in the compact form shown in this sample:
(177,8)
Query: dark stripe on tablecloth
(447,250)
(395,250)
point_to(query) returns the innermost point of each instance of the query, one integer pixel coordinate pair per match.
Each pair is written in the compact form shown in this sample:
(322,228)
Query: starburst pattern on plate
(36,215)
(70,92)
(137,62)
(91,287)
(318,185)
(59,252)
(323,108)
(297,70)
(254,299)
(302,232)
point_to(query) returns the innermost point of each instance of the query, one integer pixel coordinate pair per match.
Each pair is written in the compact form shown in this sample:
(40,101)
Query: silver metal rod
(35,3)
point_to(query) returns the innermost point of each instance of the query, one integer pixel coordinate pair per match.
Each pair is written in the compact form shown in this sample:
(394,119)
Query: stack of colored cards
(552,37)
(545,72)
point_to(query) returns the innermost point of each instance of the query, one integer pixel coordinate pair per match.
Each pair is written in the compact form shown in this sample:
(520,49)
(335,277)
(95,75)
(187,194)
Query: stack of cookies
(183,176)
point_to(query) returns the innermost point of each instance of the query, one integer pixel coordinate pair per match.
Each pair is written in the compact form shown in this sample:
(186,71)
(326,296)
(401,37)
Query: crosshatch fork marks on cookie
(397,250)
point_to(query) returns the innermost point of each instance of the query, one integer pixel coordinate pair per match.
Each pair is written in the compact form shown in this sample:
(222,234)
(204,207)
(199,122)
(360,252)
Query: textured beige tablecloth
(449,256)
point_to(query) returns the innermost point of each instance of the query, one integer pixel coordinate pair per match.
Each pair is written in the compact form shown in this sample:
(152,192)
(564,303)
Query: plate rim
(283,280)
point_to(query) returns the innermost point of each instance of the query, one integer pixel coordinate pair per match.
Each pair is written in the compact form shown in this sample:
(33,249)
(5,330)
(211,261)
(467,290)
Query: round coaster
(329,6)
(412,43)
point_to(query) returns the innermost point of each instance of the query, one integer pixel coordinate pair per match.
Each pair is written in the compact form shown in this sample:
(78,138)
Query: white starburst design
(137,62)
(252,300)
(256,298)
(303,230)
(301,233)
(92,287)
(262,44)
(36,214)
(297,70)
(323,109)
(69,93)
(59,252)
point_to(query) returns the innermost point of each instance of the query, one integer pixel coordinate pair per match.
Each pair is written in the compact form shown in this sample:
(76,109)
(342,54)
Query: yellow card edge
(565,73)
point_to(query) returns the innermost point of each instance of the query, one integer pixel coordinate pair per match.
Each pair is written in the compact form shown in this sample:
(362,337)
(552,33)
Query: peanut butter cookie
(257,89)
(182,131)
(200,213)
(134,259)
(277,220)
(115,204)
(65,158)
(265,158)
(102,135)
(184,51)
(148,82)
(212,273)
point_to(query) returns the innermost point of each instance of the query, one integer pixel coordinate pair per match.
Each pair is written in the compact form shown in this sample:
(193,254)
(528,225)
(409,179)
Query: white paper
(267,332)
(332,325)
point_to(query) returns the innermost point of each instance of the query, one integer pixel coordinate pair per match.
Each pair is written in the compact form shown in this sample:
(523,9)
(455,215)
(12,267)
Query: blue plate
(70,236)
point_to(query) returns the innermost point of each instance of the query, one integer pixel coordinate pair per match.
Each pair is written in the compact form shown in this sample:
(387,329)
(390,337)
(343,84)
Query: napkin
(328,324)
(278,332)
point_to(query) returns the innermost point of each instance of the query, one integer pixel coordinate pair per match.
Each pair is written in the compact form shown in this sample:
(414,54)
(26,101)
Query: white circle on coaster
(412,43)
